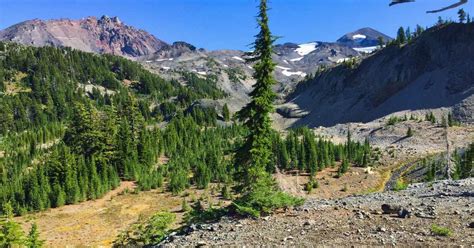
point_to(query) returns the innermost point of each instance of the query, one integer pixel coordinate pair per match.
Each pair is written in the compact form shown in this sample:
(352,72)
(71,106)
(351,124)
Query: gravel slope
(352,221)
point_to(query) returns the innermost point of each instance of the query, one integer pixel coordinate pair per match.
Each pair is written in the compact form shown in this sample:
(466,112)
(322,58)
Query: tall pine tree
(254,158)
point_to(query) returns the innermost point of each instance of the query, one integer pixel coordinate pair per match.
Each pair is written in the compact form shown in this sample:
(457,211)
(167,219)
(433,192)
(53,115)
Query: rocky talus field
(437,214)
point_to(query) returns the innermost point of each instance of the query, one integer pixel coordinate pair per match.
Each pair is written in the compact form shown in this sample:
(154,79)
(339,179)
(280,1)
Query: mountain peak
(107,19)
(364,37)
(99,35)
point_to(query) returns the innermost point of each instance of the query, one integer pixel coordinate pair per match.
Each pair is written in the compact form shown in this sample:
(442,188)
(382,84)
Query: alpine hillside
(431,71)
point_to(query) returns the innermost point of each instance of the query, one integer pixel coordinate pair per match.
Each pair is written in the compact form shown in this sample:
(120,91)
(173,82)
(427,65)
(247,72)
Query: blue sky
(218,24)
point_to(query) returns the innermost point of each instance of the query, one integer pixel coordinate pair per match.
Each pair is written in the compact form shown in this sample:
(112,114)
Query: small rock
(390,208)
(308,223)
(201,243)
(471,225)
(403,213)
(288,238)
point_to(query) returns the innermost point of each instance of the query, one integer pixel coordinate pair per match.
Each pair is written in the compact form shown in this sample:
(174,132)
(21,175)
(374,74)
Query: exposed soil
(356,180)
(97,223)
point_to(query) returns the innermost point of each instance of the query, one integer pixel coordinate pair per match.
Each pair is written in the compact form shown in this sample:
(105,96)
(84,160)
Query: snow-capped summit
(359,37)
(365,37)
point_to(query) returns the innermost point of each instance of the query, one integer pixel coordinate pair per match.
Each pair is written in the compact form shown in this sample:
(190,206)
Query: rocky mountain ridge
(111,36)
(91,34)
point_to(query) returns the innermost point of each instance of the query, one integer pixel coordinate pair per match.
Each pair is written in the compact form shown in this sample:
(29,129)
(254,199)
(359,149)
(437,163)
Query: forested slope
(74,124)
(62,142)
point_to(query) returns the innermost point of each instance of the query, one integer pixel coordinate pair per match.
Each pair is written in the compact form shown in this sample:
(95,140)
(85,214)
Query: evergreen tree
(33,240)
(254,156)
(259,192)
(462,15)
(440,21)
(225,112)
(343,168)
(467,163)
(401,36)
(419,30)
(408,34)
(11,233)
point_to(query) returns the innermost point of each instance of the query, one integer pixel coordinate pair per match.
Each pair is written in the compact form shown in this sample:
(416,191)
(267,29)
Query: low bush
(400,185)
(148,232)
(441,231)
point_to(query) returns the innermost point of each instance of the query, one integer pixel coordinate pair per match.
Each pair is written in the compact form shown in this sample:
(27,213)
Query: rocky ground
(352,221)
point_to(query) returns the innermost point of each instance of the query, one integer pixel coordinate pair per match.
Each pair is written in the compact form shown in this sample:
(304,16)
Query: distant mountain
(432,72)
(364,37)
(294,63)
(104,35)
(107,35)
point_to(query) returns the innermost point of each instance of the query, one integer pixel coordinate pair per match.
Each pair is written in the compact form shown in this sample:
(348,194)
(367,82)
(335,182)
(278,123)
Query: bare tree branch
(461,2)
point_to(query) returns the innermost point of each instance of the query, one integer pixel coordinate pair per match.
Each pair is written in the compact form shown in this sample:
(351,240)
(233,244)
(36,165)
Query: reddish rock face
(104,35)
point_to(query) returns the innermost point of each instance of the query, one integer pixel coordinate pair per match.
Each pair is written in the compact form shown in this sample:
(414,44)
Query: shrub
(246,211)
(226,192)
(149,232)
(184,206)
(400,185)
(393,120)
(441,231)
(312,184)
(265,199)
(200,215)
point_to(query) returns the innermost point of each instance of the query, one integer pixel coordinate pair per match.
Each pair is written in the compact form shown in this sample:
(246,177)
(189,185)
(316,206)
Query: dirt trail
(396,175)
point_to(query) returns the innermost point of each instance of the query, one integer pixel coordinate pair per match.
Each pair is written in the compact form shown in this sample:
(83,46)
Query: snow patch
(202,73)
(296,59)
(342,60)
(165,67)
(285,61)
(305,49)
(298,73)
(365,49)
(225,65)
(359,36)
(283,68)
(161,60)
(286,71)
(238,58)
